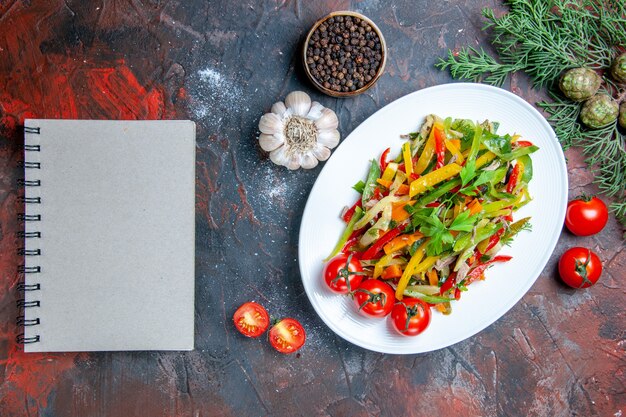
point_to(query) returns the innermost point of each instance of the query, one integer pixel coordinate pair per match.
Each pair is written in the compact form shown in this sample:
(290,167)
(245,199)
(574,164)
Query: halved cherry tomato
(410,316)
(580,267)
(374,298)
(586,216)
(251,319)
(343,273)
(287,335)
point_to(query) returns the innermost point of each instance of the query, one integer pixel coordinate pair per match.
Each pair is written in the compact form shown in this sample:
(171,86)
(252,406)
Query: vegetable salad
(431,221)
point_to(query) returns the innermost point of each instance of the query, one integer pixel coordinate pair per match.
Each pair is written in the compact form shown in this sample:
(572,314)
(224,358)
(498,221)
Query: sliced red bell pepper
(377,194)
(413,176)
(523,143)
(352,240)
(433,204)
(383,160)
(510,186)
(440,147)
(448,283)
(350,212)
(493,240)
(372,251)
(457,294)
(475,273)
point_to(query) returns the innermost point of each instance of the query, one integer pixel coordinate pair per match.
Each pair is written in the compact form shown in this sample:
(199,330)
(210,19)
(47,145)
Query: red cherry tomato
(580,267)
(410,316)
(343,273)
(374,298)
(251,319)
(287,336)
(586,216)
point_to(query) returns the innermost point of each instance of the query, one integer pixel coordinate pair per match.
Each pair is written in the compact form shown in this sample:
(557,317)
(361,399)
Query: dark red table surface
(558,352)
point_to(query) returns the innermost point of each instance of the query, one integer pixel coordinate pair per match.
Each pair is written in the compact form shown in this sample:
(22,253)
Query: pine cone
(579,84)
(618,69)
(599,111)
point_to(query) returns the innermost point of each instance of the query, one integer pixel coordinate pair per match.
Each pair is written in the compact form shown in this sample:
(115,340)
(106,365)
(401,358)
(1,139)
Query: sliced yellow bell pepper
(376,209)
(432,178)
(408,161)
(401,242)
(426,264)
(452,146)
(390,171)
(381,264)
(519,176)
(484,159)
(409,270)
(403,189)
(427,153)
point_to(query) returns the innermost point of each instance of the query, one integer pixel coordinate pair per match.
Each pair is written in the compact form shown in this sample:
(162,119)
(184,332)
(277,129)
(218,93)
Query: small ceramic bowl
(381,67)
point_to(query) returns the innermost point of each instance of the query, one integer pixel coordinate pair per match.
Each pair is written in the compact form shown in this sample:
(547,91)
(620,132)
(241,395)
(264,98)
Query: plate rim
(510,303)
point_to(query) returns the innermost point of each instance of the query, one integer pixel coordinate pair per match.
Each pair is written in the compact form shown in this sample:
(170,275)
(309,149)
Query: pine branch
(476,65)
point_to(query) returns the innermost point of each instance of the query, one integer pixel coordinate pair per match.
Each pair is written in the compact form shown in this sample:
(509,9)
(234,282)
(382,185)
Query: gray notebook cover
(116,263)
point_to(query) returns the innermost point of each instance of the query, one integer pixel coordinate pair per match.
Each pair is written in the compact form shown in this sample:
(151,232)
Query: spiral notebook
(109,219)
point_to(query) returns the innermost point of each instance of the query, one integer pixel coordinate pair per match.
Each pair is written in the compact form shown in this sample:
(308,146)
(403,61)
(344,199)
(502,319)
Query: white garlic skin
(327,121)
(299,102)
(303,149)
(270,124)
(269,142)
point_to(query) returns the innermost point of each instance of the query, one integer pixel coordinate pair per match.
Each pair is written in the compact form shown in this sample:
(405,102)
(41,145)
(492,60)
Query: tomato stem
(410,313)
(372,298)
(345,273)
(581,269)
(585,197)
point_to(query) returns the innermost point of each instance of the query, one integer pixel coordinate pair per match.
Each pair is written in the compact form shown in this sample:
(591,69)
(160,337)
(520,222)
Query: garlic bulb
(298,133)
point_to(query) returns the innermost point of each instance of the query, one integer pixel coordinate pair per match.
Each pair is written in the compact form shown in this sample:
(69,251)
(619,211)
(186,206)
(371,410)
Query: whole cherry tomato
(586,216)
(343,273)
(411,316)
(580,267)
(374,298)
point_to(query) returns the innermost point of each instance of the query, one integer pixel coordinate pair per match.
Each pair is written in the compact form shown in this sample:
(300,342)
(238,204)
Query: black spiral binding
(23,287)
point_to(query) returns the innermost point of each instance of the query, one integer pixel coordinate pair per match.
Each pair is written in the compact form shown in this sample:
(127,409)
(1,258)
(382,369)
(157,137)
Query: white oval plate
(486,301)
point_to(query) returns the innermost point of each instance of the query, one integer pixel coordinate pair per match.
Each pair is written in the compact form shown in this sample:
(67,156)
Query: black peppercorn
(344,53)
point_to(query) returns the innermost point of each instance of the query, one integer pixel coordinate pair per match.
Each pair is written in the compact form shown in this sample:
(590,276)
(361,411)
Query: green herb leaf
(484,178)
(359,187)
(500,145)
(464,222)
(434,228)
(468,172)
